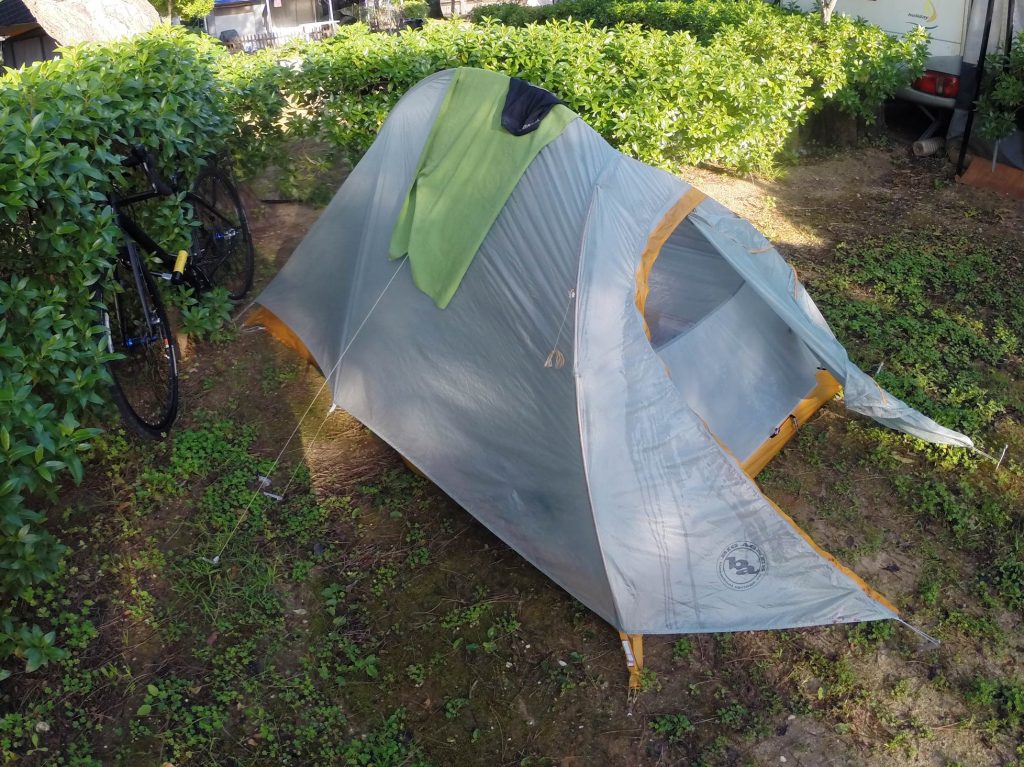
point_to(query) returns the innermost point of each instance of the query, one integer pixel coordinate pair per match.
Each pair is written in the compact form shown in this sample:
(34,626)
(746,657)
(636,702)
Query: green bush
(730,93)
(850,62)
(663,98)
(416,9)
(701,18)
(63,124)
(1001,106)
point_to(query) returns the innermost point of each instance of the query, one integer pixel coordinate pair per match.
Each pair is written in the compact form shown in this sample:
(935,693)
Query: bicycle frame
(193,277)
(135,263)
(132,229)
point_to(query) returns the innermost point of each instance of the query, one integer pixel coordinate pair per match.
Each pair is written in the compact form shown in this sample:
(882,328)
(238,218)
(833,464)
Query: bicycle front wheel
(145,375)
(222,252)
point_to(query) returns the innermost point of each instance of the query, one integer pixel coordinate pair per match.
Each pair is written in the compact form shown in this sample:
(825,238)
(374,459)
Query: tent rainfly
(621,357)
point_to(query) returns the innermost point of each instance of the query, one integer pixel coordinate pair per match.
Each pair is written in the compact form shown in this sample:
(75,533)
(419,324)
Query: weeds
(674,727)
(682,649)
(870,634)
(1005,698)
(948,326)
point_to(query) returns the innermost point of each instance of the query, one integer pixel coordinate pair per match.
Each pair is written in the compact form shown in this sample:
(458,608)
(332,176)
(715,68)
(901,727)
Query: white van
(956,28)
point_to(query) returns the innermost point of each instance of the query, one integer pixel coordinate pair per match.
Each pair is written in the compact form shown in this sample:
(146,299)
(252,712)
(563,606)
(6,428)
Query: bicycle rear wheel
(222,252)
(145,386)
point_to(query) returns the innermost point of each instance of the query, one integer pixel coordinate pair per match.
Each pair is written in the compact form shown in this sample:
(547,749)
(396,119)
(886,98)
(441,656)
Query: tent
(620,359)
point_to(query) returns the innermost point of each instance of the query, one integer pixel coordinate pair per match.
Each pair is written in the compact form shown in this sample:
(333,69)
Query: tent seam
(576,376)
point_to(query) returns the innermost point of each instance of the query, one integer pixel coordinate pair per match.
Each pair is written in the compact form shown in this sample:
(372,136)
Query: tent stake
(997,461)
(633,647)
(1002,455)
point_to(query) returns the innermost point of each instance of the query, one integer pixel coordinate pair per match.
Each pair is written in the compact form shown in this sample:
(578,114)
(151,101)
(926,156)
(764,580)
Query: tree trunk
(827,7)
(434,11)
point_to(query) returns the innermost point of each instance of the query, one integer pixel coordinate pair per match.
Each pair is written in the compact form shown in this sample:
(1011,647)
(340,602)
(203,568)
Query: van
(956,29)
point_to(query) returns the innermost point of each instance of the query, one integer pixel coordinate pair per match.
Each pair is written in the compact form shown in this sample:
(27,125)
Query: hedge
(853,63)
(659,97)
(701,18)
(663,97)
(62,126)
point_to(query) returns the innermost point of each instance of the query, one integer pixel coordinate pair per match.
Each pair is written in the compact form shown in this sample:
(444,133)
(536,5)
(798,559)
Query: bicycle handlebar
(139,155)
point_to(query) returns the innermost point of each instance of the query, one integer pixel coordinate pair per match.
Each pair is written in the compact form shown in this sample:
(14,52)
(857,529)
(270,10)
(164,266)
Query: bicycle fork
(136,337)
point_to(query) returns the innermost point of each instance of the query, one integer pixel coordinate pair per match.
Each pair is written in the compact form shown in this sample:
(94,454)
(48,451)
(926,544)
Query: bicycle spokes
(222,246)
(145,370)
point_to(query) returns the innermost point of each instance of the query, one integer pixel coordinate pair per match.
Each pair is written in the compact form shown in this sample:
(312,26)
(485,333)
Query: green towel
(467,170)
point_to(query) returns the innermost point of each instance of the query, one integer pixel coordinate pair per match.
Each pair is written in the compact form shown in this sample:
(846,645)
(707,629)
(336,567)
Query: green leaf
(34,658)
(74,464)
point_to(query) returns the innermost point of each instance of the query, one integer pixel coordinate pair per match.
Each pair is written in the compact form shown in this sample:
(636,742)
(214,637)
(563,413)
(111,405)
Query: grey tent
(621,358)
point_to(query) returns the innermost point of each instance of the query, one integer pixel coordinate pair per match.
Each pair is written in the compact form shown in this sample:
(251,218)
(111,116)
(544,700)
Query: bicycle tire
(145,377)
(222,251)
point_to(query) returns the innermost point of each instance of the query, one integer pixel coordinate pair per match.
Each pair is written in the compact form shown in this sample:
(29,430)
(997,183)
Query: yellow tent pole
(633,647)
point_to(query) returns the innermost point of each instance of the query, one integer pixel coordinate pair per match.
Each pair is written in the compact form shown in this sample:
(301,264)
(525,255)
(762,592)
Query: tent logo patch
(742,565)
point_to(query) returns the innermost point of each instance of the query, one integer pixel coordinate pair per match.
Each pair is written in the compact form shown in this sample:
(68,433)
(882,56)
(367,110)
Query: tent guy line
(215,560)
(555,357)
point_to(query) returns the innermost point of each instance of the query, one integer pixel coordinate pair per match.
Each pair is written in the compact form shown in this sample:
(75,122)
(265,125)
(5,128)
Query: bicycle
(138,333)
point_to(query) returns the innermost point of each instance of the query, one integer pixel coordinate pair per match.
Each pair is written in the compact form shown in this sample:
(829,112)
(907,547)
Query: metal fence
(379,15)
(259,41)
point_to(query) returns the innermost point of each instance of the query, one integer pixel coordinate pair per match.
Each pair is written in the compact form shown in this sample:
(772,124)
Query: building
(23,39)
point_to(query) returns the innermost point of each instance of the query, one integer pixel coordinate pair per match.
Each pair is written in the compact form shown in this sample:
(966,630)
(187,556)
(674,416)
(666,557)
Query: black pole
(977,87)
(1011,6)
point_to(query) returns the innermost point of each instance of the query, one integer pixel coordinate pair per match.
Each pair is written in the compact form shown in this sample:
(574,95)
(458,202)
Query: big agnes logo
(742,565)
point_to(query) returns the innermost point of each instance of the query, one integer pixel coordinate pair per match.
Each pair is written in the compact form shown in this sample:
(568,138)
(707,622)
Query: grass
(374,623)
(946,324)
(263,666)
